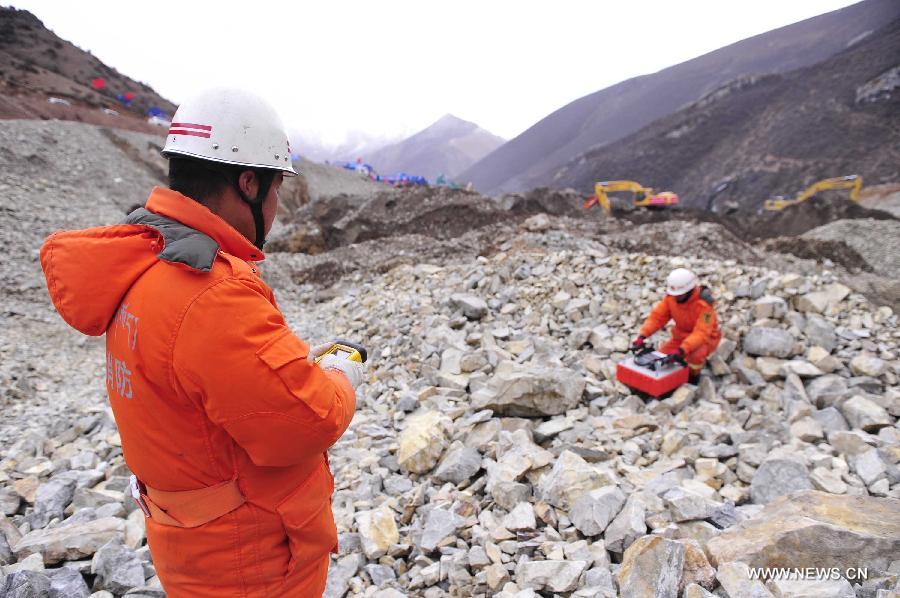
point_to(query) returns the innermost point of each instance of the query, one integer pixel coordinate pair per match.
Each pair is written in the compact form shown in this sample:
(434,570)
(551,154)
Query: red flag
(98,83)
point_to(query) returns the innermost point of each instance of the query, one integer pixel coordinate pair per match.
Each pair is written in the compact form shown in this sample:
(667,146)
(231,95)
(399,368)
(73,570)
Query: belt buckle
(136,494)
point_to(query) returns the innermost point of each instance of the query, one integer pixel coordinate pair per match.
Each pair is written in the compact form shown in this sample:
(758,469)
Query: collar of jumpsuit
(172,204)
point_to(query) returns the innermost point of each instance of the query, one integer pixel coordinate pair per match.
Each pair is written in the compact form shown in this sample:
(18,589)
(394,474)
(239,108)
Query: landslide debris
(789,440)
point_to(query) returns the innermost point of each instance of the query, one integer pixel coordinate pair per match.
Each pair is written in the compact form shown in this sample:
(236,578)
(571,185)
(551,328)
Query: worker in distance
(225,415)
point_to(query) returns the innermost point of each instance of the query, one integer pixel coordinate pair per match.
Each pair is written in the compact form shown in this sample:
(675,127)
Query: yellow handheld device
(347,350)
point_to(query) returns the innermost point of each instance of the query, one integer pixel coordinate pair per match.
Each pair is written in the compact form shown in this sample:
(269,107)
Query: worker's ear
(248,183)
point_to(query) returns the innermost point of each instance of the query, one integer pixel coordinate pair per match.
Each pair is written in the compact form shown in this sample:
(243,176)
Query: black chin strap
(265,178)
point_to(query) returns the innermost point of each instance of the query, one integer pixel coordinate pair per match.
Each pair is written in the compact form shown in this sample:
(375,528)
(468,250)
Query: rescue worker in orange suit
(224,416)
(696,333)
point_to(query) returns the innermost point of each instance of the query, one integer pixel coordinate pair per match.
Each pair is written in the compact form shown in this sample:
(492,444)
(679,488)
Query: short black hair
(200,180)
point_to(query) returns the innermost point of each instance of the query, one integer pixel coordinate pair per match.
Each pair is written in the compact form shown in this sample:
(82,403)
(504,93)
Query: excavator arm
(853,182)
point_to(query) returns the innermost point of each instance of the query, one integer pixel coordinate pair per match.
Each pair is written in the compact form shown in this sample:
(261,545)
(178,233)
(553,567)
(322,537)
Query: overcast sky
(392,68)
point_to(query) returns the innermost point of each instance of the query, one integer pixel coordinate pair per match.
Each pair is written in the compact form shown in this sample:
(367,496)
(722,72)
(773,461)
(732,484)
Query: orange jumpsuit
(208,384)
(696,328)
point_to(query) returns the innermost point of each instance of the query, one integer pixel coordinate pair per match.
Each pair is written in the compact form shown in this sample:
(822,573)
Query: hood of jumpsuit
(89,271)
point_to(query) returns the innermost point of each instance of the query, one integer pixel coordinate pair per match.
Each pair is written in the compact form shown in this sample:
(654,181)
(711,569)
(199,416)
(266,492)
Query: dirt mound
(803,217)
(790,222)
(435,212)
(837,251)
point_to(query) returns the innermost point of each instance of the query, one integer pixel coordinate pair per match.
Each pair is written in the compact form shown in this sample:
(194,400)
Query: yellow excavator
(853,182)
(642,196)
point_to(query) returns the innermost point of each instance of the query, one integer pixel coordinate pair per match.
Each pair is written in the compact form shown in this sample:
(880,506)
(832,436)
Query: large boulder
(530,391)
(423,440)
(768,342)
(815,529)
(651,566)
(70,542)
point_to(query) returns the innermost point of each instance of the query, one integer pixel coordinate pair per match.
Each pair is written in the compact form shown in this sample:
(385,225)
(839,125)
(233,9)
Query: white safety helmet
(680,281)
(230,126)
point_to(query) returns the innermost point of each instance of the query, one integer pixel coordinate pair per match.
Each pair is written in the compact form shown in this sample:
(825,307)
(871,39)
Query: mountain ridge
(446,147)
(531,158)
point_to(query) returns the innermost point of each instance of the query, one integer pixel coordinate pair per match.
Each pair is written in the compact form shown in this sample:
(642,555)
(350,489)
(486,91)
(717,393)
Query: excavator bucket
(590,202)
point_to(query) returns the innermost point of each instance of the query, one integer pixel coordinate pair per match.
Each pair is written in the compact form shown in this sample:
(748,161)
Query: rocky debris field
(492,453)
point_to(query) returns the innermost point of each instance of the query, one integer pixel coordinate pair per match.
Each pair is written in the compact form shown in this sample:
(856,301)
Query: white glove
(318,350)
(352,369)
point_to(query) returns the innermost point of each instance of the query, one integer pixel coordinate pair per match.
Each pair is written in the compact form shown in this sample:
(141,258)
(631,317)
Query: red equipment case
(649,381)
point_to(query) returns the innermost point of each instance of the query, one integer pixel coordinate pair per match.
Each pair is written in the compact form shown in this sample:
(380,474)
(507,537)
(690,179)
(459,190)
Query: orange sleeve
(658,318)
(703,328)
(236,357)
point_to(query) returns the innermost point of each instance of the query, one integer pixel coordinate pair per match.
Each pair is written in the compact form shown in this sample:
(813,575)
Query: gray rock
(509,494)
(769,342)
(51,500)
(380,574)
(651,566)
(827,480)
(548,429)
(685,505)
(852,442)
(9,501)
(776,477)
(530,391)
(827,391)
(868,466)
(865,364)
(70,542)
(807,429)
(811,588)
(814,529)
(474,308)
(830,419)
(769,307)
(459,464)
(117,568)
(736,581)
(865,414)
(724,516)
(520,518)
(553,576)
(627,526)
(570,479)
(68,583)
(26,584)
(340,573)
(6,555)
(592,513)
(439,525)
(697,591)
(820,332)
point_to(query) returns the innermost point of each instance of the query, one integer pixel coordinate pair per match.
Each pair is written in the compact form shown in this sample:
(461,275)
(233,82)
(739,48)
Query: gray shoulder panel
(184,245)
